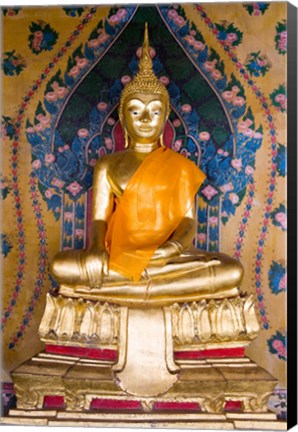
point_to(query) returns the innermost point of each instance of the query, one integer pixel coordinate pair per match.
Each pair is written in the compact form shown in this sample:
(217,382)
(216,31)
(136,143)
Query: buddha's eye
(156,113)
(134,112)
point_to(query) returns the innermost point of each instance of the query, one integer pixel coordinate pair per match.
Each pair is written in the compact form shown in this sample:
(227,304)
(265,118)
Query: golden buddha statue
(143,216)
(142,291)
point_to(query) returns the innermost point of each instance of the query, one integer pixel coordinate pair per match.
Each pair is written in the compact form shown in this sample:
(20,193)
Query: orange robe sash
(153,204)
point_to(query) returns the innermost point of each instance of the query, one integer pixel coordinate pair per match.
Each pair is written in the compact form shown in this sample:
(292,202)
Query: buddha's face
(144,117)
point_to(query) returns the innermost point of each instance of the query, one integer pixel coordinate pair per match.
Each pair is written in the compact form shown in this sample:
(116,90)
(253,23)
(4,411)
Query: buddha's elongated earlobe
(126,138)
(161,141)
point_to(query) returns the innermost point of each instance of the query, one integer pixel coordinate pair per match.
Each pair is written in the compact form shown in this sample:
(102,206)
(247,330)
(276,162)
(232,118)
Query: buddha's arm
(180,240)
(185,232)
(96,262)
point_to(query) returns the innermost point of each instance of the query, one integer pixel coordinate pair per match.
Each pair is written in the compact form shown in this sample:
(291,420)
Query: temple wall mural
(63,69)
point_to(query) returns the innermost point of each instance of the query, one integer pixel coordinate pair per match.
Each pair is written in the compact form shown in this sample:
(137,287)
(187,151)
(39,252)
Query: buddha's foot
(145,295)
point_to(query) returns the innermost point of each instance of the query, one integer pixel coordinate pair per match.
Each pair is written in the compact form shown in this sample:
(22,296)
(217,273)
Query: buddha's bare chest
(121,170)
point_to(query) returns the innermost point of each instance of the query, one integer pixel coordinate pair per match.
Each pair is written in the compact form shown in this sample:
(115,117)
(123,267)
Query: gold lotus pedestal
(181,365)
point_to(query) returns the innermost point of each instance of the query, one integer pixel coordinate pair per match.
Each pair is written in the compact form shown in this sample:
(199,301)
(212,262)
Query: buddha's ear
(169,111)
(161,141)
(120,116)
(126,137)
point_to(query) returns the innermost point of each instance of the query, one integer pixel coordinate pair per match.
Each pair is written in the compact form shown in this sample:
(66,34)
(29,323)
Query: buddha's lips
(145,129)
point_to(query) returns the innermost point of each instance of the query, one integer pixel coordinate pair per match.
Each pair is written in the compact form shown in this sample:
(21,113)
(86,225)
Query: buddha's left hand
(165,252)
(97,266)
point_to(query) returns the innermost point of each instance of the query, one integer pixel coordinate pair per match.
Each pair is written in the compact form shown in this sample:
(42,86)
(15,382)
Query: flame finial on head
(145,64)
(145,81)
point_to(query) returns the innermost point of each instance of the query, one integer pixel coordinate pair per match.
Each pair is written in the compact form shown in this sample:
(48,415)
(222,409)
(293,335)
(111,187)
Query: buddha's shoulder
(110,160)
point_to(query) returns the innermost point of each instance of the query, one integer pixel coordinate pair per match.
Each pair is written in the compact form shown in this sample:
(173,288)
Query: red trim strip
(212,353)
(176,406)
(115,404)
(91,353)
(53,402)
(233,406)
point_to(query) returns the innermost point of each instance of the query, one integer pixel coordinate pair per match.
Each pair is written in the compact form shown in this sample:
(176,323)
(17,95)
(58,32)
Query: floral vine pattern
(73,11)
(5,187)
(281,37)
(229,33)
(6,245)
(74,229)
(41,264)
(272,182)
(11,11)
(257,64)
(42,37)
(7,127)
(281,163)
(256,8)
(277,345)
(279,98)
(277,278)
(15,186)
(13,64)
(279,217)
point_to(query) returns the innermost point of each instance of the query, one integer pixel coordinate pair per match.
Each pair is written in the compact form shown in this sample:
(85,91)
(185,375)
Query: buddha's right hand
(96,266)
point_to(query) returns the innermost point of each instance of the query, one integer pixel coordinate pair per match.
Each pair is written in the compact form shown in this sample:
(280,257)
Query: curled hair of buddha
(145,81)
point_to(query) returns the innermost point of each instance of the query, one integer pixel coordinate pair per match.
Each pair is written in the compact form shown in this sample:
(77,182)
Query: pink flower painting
(102,106)
(49,158)
(201,237)
(204,136)
(83,133)
(186,108)
(74,188)
(51,96)
(58,183)
(125,79)
(282,219)
(236,163)
(209,192)
(36,164)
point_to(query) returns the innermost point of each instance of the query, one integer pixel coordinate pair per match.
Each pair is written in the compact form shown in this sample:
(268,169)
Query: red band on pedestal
(91,353)
(233,406)
(176,406)
(53,402)
(211,353)
(115,404)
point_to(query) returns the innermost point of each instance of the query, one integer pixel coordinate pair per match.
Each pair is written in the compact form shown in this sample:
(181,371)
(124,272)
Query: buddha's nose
(145,117)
